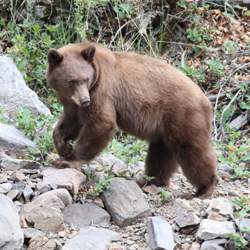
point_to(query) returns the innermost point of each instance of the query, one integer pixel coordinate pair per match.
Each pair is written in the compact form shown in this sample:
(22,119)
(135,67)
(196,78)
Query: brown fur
(144,97)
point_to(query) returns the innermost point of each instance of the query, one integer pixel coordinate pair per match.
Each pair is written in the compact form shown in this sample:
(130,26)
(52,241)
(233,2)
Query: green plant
(235,151)
(242,205)
(192,72)
(194,35)
(101,185)
(239,174)
(128,150)
(164,195)
(215,66)
(240,241)
(39,130)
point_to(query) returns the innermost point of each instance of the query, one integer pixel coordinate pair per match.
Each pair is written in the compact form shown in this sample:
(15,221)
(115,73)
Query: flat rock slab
(11,137)
(68,178)
(16,164)
(90,238)
(11,235)
(84,215)
(160,234)
(125,201)
(211,229)
(14,92)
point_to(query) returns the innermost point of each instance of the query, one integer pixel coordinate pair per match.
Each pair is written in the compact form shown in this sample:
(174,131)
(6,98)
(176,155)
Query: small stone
(195,246)
(18,176)
(211,229)
(187,219)
(41,187)
(152,189)
(27,192)
(5,188)
(12,194)
(181,206)
(62,234)
(220,209)
(160,234)
(213,244)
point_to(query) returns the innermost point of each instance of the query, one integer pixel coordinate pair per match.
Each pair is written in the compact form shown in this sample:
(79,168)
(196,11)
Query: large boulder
(11,235)
(14,92)
(11,137)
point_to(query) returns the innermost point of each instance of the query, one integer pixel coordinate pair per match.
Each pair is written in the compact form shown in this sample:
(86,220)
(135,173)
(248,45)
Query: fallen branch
(222,95)
(240,121)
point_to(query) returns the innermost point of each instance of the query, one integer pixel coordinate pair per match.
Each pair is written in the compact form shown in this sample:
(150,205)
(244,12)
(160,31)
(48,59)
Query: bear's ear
(88,54)
(54,57)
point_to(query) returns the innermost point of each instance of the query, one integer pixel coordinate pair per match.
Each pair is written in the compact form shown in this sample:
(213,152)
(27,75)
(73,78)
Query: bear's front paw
(61,163)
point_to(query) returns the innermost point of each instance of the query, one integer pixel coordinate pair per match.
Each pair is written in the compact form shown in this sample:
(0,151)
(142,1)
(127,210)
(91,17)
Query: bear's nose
(85,102)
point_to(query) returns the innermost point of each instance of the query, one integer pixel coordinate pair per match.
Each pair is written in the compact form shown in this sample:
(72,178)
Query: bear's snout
(85,102)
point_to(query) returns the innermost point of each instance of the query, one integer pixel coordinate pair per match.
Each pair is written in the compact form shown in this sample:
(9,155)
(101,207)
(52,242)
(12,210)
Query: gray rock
(220,209)
(41,187)
(30,233)
(19,186)
(12,194)
(40,242)
(187,219)
(68,178)
(61,193)
(11,236)
(211,229)
(90,238)
(5,188)
(11,137)
(125,201)
(213,244)
(224,169)
(181,206)
(160,234)
(16,164)
(3,178)
(27,192)
(44,213)
(14,92)
(85,214)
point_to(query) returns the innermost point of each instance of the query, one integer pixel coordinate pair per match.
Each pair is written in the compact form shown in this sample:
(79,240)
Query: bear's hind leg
(199,166)
(160,163)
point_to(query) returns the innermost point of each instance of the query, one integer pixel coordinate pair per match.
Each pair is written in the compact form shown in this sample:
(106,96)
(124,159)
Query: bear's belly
(145,130)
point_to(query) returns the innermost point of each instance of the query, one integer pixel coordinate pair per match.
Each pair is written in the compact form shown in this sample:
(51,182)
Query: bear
(145,97)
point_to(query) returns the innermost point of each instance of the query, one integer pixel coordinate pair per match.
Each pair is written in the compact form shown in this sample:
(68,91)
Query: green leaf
(36,28)
(4,33)
(247,13)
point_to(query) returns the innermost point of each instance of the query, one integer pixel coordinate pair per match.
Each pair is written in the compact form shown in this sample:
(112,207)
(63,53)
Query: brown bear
(100,90)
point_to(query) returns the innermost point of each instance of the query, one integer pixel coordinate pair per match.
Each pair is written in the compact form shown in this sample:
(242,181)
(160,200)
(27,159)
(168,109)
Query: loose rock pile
(56,210)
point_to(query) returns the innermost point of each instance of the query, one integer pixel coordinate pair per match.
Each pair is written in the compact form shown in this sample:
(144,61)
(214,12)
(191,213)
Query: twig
(183,58)
(223,94)
(222,114)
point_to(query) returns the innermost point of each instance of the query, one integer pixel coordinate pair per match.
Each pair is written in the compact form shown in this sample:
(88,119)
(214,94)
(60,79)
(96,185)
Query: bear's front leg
(93,138)
(67,129)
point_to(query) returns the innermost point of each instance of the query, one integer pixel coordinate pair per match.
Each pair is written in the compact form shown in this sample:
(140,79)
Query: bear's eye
(72,83)
(87,80)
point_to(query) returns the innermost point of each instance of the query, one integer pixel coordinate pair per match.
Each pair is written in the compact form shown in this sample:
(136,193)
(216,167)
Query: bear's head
(71,72)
